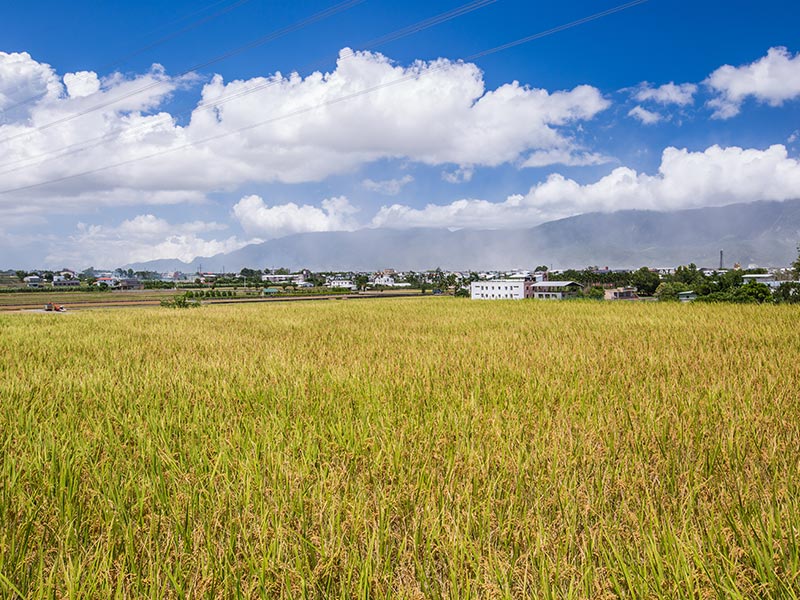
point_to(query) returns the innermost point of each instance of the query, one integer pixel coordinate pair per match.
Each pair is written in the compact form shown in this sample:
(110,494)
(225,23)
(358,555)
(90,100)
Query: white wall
(498,289)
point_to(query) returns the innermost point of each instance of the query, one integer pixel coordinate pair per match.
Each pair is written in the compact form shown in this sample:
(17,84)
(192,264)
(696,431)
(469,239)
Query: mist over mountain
(762,233)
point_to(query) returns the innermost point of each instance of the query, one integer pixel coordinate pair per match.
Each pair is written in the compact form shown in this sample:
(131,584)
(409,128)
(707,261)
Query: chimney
(720,260)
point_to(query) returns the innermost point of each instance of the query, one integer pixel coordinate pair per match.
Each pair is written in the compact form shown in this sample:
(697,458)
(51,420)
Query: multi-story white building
(765,278)
(387,280)
(501,289)
(554,290)
(341,283)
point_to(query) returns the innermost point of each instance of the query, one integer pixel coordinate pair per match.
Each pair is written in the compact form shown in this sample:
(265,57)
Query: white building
(386,280)
(765,278)
(554,290)
(621,293)
(62,281)
(341,283)
(290,278)
(501,289)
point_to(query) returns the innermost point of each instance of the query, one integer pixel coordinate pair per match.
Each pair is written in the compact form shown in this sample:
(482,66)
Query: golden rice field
(412,448)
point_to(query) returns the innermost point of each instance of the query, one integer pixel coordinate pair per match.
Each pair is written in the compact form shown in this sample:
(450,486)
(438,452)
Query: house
(689,296)
(120,283)
(621,293)
(555,290)
(767,279)
(501,289)
(64,281)
(33,281)
(269,291)
(346,284)
(128,283)
(292,278)
(385,280)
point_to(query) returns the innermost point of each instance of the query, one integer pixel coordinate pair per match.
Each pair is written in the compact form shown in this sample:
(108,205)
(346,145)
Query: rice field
(414,448)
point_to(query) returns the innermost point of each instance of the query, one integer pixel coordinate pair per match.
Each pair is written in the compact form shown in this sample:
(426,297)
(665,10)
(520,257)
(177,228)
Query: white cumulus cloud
(82,83)
(257,218)
(23,82)
(670,93)
(145,237)
(387,187)
(772,79)
(714,177)
(543,158)
(459,175)
(647,117)
(367,109)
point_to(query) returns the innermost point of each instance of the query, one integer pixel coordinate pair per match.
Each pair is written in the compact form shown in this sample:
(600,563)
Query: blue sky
(663,105)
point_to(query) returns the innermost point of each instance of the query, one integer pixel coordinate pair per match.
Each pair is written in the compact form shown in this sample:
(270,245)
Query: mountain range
(762,233)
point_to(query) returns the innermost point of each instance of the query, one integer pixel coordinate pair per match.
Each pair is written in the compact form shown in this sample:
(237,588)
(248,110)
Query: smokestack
(720,260)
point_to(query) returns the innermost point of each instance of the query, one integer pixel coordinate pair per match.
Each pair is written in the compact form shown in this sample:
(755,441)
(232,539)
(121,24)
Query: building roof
(481,281)
(554,284)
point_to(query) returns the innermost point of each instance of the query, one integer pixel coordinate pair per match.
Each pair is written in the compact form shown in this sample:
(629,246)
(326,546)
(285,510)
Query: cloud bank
(256,218)
(145,237)
(772,79)
(714,177)
(280,128)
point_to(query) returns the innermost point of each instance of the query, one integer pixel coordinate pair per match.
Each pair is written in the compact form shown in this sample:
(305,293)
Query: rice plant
(414,448)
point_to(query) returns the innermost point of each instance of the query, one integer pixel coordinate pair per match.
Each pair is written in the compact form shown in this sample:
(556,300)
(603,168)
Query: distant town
(685,283)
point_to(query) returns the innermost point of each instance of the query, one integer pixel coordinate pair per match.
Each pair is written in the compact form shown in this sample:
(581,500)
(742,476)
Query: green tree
(439,279)
(315,278)
(361,282)
(668,291)
(645,280)
(412,278)
(788,293)
(753,292)
(689,275)
(727,281)
(796,264)
(595,293)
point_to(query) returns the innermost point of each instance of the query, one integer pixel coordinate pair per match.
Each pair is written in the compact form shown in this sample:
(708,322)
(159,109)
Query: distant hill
(763,233)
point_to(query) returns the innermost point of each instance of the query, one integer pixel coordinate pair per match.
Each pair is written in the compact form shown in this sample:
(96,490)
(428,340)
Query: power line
(186,29)
(188,16)
(570,25)
(385,39)
(334,101)
(324,14)
(150,46)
